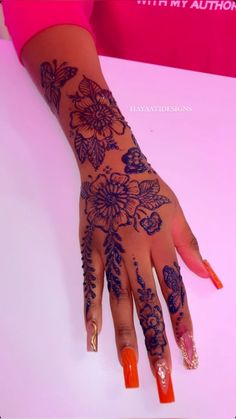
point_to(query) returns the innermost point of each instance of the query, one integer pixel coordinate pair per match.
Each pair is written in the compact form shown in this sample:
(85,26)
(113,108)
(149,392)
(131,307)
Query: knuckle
(94,304)
(124,330)
(124,295)
(194,242)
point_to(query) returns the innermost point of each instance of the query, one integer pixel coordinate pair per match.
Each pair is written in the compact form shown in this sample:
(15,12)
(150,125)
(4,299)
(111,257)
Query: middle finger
(150,315)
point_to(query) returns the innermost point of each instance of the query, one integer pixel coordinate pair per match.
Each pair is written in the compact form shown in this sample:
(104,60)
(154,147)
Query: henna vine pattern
(88,269)
(52,78)
(94,121)
(114,201)
(150,318)
(173,280)
(136,162)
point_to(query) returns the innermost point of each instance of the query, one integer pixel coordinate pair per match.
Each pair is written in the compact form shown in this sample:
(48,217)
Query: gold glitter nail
(189,363)
(94,337)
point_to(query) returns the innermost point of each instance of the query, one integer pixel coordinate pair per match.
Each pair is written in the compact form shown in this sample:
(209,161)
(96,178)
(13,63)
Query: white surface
(45,369)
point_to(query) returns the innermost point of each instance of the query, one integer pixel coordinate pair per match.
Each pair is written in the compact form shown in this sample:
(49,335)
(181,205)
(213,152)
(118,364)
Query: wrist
(95,155)
(130,161)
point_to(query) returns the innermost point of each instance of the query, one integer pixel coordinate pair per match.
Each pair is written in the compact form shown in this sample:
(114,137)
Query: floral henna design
(150,318)
(152,224)
(94,121)
(173,280)
(54,77)
(113,201)
(136,162)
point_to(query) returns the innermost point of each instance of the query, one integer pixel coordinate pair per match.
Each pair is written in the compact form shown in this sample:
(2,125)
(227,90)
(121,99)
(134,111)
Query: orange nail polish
(216,281)
(164,382)
(130,370)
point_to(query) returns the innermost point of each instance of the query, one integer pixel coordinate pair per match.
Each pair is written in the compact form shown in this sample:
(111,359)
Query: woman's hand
(129,223)
(130,220)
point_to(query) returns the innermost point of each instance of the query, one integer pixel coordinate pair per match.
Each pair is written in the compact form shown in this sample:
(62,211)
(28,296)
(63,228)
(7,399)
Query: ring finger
(174,292)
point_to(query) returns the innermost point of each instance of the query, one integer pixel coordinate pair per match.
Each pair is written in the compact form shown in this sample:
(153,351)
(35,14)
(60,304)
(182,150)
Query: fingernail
(188,349)
(216,281)
(92,337)
(128,357)
(164,382)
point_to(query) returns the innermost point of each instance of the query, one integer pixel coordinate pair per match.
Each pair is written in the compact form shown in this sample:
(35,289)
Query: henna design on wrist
(53,77)
(150,318)
(136,162)
(94,120)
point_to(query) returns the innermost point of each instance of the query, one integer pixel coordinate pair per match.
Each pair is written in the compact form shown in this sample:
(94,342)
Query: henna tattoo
(88,269)
(173,280)
(136,162)
(113,250)
(113,201)
(94,121)
(150,318)
(179,327)
(54,77)
(152,224)
(107,170)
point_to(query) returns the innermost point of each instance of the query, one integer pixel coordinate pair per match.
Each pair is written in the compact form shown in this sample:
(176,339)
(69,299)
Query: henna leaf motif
(95,152)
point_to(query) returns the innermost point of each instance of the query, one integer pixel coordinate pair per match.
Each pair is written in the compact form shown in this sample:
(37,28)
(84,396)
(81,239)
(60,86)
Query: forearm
(79,96)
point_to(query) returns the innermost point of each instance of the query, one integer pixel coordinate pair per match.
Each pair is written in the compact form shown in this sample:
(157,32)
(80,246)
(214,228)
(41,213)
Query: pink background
(45,369)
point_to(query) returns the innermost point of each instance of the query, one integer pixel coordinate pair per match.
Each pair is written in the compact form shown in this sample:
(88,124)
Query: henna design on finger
(88,269)
(180,328)
(173,280)
(53,77)
(113,250)
(150,318)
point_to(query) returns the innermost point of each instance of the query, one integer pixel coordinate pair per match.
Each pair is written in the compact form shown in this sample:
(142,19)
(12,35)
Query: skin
(130,219)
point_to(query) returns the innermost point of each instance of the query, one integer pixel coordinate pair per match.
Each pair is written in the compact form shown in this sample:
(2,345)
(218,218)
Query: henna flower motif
(112,202)
(152,323)
(94,121)
(96,117)
(135,161)
(155,342)
(151,224)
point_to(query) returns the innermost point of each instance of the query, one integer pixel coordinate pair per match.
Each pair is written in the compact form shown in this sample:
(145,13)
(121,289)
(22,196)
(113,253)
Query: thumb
(187,244)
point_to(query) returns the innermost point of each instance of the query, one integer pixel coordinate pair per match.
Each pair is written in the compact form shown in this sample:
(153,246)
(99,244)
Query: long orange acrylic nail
(164,383)
(129,362)
(216,281)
